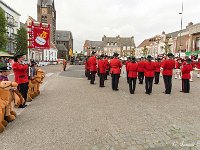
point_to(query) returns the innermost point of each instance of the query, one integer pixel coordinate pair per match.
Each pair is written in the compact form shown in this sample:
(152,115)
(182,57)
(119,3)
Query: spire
(45,2)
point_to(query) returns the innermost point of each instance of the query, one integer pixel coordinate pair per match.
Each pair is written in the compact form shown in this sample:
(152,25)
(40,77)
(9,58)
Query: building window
(124,47)
(198,43)
(116,44)
(108,44)
(128,48)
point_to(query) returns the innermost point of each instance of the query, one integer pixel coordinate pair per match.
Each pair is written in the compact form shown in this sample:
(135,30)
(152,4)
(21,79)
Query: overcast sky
(91,19)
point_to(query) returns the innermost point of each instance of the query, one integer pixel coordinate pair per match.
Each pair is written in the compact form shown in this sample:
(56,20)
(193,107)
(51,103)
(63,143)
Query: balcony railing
(11,22)
(11,36)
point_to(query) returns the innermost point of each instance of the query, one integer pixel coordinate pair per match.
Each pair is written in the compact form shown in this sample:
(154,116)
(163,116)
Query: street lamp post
(181,13)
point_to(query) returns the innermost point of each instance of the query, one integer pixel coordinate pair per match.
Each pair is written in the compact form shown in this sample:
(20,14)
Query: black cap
(170,55)
(4,67)
(115,54)
(149,57)
(133,58)
(102,55)
(188,60)
(17,55)
(93,52)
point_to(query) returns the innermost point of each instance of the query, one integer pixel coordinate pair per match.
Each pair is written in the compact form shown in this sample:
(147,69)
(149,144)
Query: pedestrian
(186,76)
(20,70)
(32,69)
(4,72)
(102,71)
(107,67)
(198,67)
(178,65)
(149,69)
(126,65)
(64,64)
(115,70)
(168,65)
(132,74)
(141,70)
(157,70)
(92,62)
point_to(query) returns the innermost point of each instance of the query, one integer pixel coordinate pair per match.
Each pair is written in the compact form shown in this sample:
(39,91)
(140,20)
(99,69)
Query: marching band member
(115,70)
(141,70)
(132,74)
(102,70)
(21,76)
(92,62)
(168,66)
(198,67)
(126,65)
(149,69)
(157,71)
(187,68)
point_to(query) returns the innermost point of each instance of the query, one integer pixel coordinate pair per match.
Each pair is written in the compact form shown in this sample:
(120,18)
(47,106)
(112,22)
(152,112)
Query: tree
(3,23)
(22,41)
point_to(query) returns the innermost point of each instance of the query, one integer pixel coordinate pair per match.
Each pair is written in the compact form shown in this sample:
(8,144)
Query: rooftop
(3,3)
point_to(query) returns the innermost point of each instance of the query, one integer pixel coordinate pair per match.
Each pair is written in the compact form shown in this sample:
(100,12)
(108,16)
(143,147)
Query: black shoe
(22,106)
(116,89)
(181,91)
(155,83)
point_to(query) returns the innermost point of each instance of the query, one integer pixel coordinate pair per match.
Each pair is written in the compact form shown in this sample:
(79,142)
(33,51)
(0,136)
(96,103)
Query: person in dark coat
(115,70)
(149,70)
(92,62)
(107,67)
(132,74)
(21,76)
(168,65)
(4,72)
(126,65)
(186,76)
(102,71)
(157,71)
(141,70)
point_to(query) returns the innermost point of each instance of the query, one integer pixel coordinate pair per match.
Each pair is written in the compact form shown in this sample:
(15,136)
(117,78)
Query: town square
(93,81)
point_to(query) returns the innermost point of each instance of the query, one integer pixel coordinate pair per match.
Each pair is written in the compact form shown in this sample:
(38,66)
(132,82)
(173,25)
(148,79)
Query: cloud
(91,19)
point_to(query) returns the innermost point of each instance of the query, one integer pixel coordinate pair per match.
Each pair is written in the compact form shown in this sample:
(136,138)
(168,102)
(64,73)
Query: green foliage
(3,23)
(22,41)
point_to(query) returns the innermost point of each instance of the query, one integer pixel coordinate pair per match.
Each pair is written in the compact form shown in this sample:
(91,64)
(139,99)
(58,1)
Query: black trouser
(106,75)
(88,75)
(115,81)
(148,84)
(101,79)
(141,77)
(157,76)
(23,89)
(132,85)
(186,85)
(168,84)
(92,77)
(127,77)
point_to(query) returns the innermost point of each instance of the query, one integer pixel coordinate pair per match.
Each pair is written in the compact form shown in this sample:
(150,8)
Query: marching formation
(145,70)
(15,94)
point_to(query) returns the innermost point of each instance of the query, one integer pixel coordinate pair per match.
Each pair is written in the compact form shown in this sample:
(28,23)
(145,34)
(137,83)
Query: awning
(5,54)
(192,53)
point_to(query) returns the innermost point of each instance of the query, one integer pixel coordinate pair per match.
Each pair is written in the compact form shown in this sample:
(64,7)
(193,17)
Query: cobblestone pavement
(71,114)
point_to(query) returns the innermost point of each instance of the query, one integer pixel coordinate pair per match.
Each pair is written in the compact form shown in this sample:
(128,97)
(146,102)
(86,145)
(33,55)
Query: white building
(50,54)
(13,24)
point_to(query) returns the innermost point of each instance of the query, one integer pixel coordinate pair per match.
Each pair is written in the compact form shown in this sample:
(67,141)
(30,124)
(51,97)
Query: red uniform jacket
(106,63)
(157,65)
(186,71)
(178,65)
(141,66)
(149,69)
(102,66)
(20,72)
(92,63)
(127,62)
(132,70)
(115,66)
(168,66)
(198,65)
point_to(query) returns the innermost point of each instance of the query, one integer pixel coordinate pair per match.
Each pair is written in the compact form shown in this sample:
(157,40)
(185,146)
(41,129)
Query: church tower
(46,13)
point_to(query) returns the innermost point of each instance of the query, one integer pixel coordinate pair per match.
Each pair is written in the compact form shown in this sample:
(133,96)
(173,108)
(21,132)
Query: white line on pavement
(49,74)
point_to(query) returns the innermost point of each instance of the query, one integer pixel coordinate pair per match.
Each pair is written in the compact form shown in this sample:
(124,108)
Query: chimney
(189,24)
